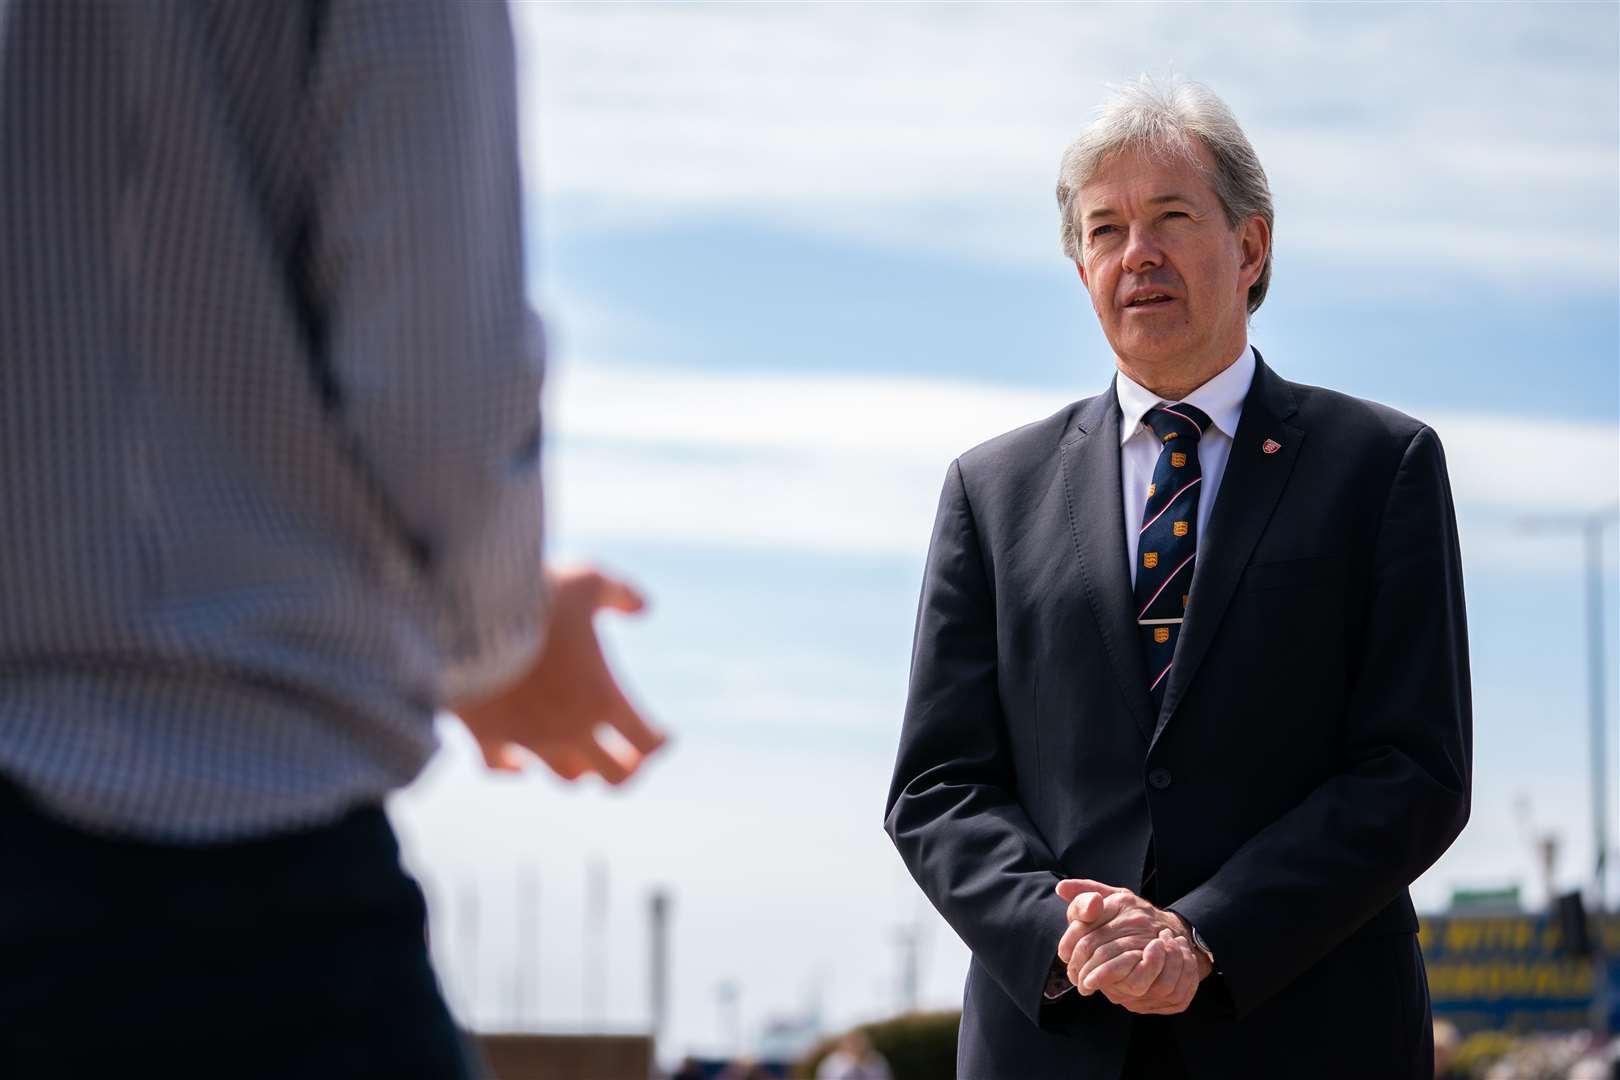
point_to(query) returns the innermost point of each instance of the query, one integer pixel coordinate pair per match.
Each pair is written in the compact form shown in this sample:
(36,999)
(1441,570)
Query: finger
(1186,989)
(636,731)
(612,769)
(1174,956)
(1087,908)
(1076,968)
(1101,907)
(1105,954)
(1111,972)
(1070,938)
(1098,934)
(1089,943)
(1090,938)
(565,763)
(500,756)
(1081,966)
(1101,951)
(1069,888)
(1143,974)
(619,596)
(1114,904)
(1123,1000)
(1171,1009)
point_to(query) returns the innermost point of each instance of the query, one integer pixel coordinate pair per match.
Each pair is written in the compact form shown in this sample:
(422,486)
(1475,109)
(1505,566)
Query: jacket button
(1159,778)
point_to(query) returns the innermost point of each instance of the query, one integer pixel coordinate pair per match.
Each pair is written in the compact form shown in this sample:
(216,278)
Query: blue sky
(796,258)
(746,295)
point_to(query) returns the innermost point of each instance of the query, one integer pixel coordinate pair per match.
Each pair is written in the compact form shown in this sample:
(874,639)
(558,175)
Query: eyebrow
(1156,200)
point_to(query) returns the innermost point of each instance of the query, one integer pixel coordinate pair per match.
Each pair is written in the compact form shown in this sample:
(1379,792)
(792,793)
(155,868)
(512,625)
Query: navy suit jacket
(1311,757)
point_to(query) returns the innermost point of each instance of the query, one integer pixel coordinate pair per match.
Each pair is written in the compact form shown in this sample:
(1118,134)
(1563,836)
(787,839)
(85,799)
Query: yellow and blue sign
(1514,972)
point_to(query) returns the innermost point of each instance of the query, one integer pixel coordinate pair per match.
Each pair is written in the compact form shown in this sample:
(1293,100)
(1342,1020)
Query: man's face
(1168,277)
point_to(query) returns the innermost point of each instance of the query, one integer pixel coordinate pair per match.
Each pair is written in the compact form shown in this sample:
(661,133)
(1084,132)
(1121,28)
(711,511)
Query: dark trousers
(1152,1052)
(300,956)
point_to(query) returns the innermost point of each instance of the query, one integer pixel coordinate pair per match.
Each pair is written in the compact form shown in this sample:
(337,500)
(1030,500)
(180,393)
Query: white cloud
(1480,139)
(853,463)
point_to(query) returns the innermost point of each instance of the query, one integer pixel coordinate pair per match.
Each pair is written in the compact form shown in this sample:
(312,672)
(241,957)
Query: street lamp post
(1591,526)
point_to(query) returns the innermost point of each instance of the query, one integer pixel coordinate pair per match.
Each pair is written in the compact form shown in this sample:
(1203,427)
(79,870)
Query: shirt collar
(1221,398)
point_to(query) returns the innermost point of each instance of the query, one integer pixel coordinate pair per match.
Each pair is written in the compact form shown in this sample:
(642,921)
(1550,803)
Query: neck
(1173,382)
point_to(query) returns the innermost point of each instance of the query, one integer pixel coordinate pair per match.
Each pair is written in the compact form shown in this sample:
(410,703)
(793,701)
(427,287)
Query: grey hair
(1171,118)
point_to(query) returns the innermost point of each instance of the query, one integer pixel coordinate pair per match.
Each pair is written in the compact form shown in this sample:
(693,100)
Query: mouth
(1148,300)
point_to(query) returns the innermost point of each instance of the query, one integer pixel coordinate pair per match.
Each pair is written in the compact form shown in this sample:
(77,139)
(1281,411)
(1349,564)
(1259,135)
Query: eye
(1168,214)
(1101,230)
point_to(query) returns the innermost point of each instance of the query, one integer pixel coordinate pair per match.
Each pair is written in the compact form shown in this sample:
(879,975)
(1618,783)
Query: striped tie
(1168,542)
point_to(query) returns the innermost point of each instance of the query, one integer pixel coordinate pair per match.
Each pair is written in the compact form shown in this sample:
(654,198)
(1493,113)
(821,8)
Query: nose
(1141,251)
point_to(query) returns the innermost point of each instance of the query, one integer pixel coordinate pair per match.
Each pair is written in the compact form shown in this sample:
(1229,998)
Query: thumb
(1091,907)
(1069,888)
(619,596)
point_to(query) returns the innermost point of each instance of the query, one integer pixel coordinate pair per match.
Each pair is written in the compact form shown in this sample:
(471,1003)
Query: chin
(1156,351)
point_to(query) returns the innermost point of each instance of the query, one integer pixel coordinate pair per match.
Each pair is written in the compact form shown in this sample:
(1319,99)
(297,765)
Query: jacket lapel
(1091,489)
(1250,487)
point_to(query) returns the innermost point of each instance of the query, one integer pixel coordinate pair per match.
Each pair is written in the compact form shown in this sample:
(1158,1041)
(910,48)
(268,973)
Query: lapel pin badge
(1271,446)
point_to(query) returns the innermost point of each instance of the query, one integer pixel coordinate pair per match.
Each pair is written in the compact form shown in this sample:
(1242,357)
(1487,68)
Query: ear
(1254,243)
(1080,266)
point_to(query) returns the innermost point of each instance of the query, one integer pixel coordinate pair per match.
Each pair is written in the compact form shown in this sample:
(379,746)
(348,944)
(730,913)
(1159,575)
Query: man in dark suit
(1189,704)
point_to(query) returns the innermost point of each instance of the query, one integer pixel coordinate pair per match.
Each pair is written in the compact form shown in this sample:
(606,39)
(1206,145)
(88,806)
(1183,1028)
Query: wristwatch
(1197,939)
(1200,945)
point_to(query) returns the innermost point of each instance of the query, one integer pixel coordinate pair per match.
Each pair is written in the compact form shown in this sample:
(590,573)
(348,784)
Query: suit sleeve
(951,811)
(1353,845)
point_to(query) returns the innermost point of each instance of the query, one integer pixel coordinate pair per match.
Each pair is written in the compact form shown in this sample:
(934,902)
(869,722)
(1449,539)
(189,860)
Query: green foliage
(918,1046)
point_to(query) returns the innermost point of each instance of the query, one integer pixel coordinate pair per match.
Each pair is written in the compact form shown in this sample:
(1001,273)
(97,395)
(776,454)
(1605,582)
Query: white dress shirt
(1221,399)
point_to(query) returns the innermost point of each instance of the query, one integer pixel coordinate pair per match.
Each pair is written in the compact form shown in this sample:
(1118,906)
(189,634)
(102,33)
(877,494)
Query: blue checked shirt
(269,402)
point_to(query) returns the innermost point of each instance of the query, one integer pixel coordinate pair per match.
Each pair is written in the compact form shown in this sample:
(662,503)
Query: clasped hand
(1137,956)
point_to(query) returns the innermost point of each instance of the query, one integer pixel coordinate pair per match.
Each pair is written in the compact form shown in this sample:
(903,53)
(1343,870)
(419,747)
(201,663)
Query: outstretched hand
(557,708)
(1137,956)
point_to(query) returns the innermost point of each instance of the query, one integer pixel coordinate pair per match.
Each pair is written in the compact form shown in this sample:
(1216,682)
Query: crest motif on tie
(1161,634)
(1183,601)
(1150,559)
(1172,435)
(1152,489)
(1179,528)
(1178,459)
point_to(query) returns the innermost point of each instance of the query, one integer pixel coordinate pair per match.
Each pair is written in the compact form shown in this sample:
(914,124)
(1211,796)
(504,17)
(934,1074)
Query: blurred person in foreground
(854,1058)
(1189,704)
(270,417)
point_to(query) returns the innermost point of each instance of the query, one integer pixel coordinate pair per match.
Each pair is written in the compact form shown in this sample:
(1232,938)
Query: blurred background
(794,259)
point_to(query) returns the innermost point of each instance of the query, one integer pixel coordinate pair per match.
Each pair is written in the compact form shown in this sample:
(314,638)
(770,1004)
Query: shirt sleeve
(1057,980)
(416,273)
